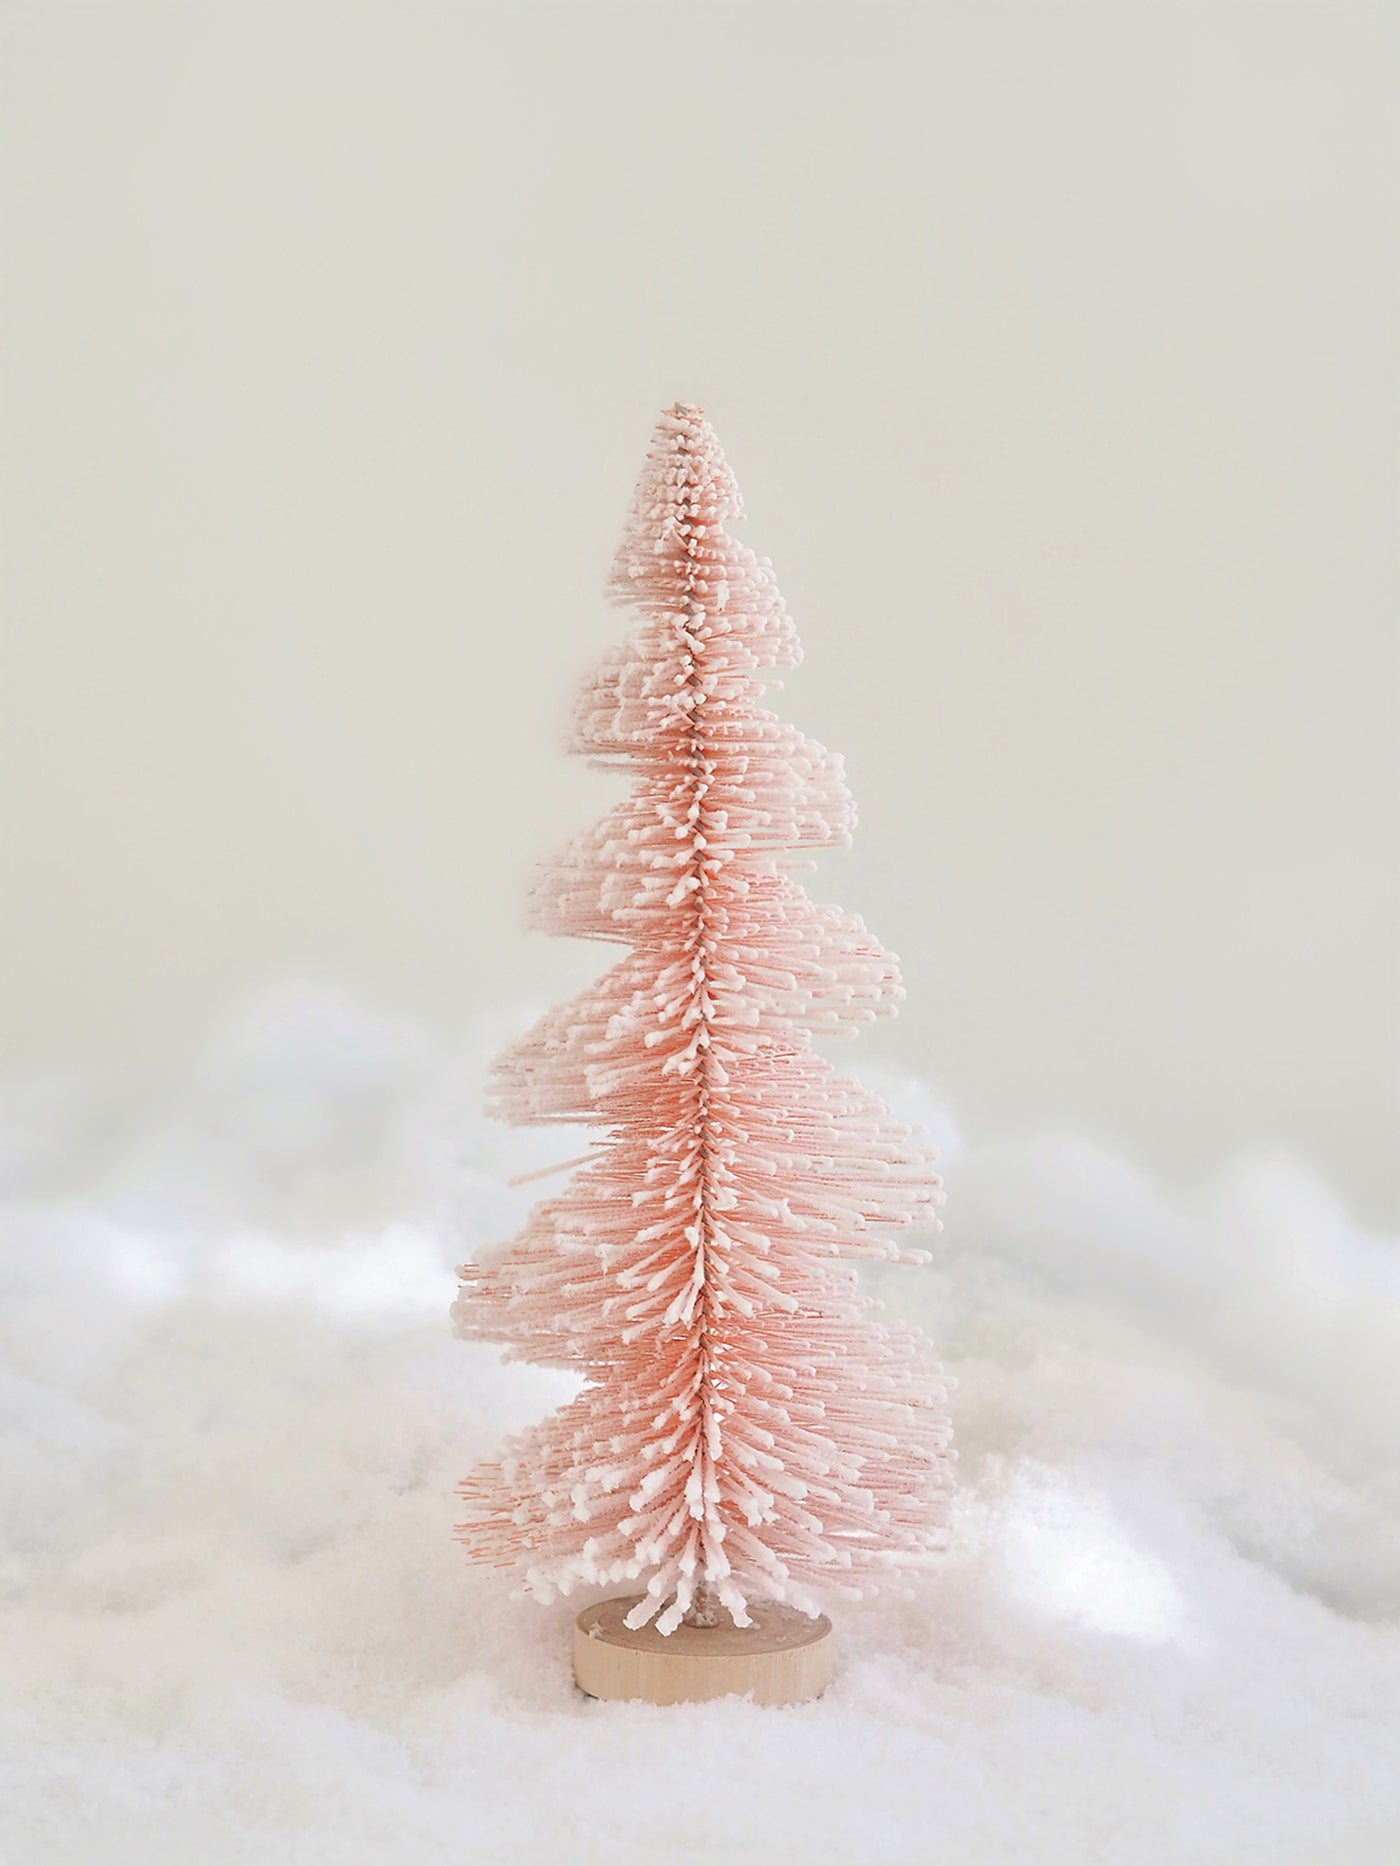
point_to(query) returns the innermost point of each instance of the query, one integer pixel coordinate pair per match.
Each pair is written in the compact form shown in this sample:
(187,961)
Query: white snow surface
(236,1628)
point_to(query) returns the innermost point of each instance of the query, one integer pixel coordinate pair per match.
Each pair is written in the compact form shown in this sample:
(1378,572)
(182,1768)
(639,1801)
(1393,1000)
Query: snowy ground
(235,1627)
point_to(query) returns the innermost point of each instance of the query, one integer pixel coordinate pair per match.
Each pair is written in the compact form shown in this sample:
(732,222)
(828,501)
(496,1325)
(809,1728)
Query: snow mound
(235,1627)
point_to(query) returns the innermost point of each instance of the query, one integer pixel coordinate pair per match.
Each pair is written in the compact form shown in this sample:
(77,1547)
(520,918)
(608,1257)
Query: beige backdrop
(1053,346)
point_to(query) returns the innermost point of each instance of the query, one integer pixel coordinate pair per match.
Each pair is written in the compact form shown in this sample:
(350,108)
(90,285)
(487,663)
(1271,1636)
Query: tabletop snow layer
(236,1628)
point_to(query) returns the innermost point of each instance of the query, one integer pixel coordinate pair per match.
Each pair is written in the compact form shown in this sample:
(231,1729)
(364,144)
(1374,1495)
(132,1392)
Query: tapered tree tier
(783,1658)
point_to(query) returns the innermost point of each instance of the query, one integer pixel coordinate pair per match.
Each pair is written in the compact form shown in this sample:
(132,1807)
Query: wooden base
(783,1658)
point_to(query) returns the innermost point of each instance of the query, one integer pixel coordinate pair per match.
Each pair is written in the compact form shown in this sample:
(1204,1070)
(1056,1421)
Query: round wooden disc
(783,1658)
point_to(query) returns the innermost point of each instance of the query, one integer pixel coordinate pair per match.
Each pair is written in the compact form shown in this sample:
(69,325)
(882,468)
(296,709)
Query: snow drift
(236,1627)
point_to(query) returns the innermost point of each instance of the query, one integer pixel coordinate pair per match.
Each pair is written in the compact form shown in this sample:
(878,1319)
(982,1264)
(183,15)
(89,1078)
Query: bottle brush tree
(746,1429)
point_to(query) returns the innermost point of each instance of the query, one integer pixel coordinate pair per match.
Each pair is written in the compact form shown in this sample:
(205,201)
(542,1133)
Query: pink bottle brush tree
(747,1431)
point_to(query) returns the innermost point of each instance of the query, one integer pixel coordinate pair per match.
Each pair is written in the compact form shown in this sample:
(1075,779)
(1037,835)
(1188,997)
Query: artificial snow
(236,1627)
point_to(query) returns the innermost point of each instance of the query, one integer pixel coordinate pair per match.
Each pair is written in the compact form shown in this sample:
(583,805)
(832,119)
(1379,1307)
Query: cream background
(1053,347)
